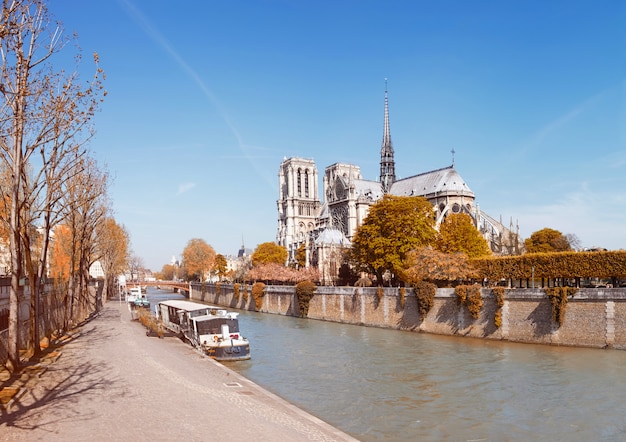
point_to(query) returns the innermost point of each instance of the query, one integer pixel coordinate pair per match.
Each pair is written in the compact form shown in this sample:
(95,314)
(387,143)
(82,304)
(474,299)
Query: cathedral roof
(371,190)
(445,181)
(331,235)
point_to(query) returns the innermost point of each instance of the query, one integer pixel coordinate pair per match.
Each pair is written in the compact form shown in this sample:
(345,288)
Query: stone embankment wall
(593,318)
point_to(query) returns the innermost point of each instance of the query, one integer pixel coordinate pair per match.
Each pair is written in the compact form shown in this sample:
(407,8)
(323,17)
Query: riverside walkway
(109,381)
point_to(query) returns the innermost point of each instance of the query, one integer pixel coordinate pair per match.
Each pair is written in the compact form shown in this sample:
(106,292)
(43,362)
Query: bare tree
(135,266)
(44,111)
(86,206)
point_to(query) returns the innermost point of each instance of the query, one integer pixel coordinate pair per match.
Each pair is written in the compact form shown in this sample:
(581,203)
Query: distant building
(96,271)
(238,265)
(325,227)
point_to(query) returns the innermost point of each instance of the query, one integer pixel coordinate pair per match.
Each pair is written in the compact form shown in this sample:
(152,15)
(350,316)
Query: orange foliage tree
(393,227)
(428,264)
(61,253)
(269,252)
(198,258)
(279,273)
(457,234)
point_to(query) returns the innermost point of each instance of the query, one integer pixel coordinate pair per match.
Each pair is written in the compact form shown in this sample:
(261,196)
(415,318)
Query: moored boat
(136,298)
(211,329)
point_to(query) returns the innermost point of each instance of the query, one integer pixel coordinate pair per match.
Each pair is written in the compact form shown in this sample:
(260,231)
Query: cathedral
(325,227)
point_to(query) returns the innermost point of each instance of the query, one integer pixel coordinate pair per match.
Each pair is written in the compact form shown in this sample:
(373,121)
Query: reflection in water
(379,384)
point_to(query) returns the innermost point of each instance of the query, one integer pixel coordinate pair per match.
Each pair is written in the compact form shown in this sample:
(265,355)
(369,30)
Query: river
(379,384)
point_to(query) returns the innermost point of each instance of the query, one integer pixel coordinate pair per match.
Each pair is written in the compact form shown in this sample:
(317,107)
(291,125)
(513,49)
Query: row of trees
(397,241)
(55,215)
(267,263)
(399,233)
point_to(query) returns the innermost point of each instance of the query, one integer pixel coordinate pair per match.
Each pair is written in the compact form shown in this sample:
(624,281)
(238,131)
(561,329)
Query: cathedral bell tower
(387,163)
(298,203)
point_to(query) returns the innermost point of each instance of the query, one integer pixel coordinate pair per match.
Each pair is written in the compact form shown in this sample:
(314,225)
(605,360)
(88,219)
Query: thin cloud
(147,27)
(558,123)
(582,212)
(185,187)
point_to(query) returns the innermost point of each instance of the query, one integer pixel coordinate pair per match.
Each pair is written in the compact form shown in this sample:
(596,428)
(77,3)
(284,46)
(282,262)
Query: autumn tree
(268,252)
(273,272)
(167,273)
(44,111)
(85,205)
(198,258)
(112,252)
(221,266)
(547,240)
(301,256)
(457,234)
(60,254)
(394,226)
(429,264)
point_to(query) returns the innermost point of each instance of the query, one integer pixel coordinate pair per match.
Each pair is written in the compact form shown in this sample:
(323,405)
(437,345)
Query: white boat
(211,329)
(136,298)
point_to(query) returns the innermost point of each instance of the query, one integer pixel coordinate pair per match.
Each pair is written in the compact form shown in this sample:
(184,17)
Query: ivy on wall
(245,293)
(258,292)
(380,293)
(558,299)
(470,296)
(425,296)
(304,292)
(498,294)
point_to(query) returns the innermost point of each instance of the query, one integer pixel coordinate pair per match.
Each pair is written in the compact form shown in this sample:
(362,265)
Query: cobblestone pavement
(110,381)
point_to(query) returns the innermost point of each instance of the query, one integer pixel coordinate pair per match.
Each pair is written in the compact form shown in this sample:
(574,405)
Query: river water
(378,384)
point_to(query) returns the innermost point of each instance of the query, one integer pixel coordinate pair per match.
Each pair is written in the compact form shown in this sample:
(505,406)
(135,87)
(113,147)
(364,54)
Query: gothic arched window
(299,183)
(306,183)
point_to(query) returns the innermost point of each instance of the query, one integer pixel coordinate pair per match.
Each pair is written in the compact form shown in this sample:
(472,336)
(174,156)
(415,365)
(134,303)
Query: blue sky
(205,98)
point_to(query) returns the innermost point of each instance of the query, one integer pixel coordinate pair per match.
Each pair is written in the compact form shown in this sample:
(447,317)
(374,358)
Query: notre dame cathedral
(325,228)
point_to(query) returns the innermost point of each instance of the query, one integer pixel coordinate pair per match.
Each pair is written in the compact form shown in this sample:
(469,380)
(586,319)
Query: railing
(181,285)
(4,353)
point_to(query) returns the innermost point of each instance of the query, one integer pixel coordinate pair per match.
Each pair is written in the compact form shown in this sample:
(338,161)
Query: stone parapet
(594,317)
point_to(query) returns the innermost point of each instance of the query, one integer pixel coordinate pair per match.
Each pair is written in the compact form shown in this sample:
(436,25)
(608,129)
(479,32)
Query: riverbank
(594,317)
(109,380)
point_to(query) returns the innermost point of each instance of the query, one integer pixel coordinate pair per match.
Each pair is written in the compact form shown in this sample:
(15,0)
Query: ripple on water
(379,384)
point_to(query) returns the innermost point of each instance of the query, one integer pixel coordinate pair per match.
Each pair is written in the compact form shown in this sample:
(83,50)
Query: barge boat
(211,329)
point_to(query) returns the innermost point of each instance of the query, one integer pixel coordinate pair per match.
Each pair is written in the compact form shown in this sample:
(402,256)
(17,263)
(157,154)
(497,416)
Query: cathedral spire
(387,163)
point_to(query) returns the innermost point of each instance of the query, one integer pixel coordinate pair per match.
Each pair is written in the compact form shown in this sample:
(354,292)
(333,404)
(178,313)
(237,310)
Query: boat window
(202,312)
(173,315)
(214,326)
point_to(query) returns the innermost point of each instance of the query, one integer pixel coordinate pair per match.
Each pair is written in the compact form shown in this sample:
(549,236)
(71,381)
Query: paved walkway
(112,382)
